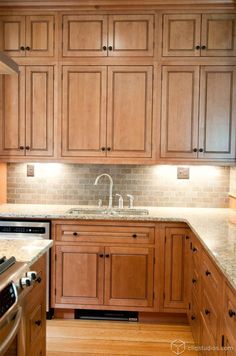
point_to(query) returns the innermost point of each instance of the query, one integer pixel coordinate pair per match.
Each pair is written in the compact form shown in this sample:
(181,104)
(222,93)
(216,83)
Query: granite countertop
(215,228)
(28,251)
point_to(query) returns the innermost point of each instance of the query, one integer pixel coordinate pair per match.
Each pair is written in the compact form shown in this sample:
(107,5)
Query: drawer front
(212,279)
(207,341)
(36,322)
(230,312)
(195,320)
(210,314)
(196,284)
(196,253)
(113,234)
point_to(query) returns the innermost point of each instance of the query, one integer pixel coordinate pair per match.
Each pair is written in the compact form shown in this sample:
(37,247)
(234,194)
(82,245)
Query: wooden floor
(77,337)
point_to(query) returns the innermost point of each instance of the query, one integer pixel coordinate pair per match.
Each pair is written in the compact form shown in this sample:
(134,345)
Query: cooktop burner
(6,263)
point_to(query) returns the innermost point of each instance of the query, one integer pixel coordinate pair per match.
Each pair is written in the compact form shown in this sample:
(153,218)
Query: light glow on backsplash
(56,183)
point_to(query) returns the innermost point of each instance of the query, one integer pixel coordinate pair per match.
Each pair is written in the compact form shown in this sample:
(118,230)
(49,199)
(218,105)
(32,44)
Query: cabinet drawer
(212,279)
(196,253)
(119,234)
(210,313)
(196,284)
(230,312)
(195,320)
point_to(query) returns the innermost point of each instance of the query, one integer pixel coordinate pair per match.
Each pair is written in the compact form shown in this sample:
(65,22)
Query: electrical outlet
(30,170)
(182,173)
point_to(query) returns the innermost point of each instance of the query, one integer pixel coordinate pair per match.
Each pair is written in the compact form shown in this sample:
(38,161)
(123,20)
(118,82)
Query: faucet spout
(110,189)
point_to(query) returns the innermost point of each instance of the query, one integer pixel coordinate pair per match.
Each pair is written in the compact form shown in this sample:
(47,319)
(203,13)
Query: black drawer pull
(22,48)
(103,148)
(207,312)
(110,48)
(207,273)
(104,48)
(194,249)
(134,236)
(232,313)
(101,255)
(75,233)
(39,280)
(107,256)
(193,317)
(38,322)
(27,48)
(198,47)
(27,147)
(194,280)
(21,147)
(203,47)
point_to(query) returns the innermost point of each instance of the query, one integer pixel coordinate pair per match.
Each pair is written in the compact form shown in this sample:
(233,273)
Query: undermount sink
(105,211)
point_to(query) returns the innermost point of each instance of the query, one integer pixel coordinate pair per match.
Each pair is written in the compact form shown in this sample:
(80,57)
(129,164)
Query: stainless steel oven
(28,230)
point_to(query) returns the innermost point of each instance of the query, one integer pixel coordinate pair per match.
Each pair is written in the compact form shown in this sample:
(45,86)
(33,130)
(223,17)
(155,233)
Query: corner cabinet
(100,97)
(212,35)
(27,112)
(198,112)
(107,35)
(94,268)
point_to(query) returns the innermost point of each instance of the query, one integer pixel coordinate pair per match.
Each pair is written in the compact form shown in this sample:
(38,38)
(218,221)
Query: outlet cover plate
(30,170)
(182,172)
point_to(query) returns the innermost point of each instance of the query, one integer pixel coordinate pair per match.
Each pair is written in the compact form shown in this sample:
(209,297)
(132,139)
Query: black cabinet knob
(197,47)
(232,313)
(110,48)
(107,256)
(194,280)
(21,147)
(207,312)
(27,148)
(103,148)
(38,322)
(22,48)
(101,255)
(193,317)
(104,48)
(134,236)
(27,48)
(201,150)
(39,280)
(187,237)
(194,249)
(203,47)
(195,150)
(108,148)
(207,273)
(75,233)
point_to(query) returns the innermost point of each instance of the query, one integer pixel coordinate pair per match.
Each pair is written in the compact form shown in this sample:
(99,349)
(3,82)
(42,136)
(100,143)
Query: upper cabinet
(199,35)
(27,36)
(107,35)
(116,120)
(198,115)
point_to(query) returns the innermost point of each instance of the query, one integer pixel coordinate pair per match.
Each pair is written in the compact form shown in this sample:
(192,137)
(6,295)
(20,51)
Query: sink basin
(105,211)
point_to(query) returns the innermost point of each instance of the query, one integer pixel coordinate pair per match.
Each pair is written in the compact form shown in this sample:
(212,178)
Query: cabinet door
(12,114)
(179,122)
(181,35)
(130,35)
(217,112)
(84,36)
(129,120)
(177,254)
(79,275)
(84,111)
(129,276)
(39,36)
(39,110)
(12,35)
(218,35)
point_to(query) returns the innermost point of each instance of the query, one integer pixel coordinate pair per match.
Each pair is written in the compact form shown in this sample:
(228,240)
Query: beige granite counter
(216,228)
(28,251)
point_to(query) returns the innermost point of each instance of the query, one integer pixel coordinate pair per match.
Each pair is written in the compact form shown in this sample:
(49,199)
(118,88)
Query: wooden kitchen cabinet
(199,35)
(107,35)
(110,266)
(27,36)
(177,260)
(207,133)
(120,130)
(27,112)
(229,321)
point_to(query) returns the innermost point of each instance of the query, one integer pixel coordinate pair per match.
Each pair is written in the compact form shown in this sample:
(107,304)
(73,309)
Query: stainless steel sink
(105,211)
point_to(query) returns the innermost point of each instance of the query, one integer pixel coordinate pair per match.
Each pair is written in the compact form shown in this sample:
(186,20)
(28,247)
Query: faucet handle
(121,201)
(131,200)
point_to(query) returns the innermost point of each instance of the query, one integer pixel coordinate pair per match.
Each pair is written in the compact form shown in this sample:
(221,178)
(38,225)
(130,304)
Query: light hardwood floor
(82,337)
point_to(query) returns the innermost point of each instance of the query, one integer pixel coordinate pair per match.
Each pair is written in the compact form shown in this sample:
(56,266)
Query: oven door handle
(10,337)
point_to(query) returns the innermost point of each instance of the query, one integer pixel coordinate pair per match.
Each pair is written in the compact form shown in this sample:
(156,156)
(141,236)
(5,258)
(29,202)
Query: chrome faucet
(111,186)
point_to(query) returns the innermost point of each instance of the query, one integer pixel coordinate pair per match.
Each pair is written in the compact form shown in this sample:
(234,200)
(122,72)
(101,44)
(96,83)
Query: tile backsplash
(54,183)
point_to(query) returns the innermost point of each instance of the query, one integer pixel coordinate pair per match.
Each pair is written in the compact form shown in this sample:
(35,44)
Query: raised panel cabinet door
(84,111)
(181,35)
(39,40)
(79,275)
(12,35)
(217,121)
(177,255)
(39,110)
(129,113)
(129,276)
(84,36)
(179,117)
(218,35)
(12,114)
(130,35)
